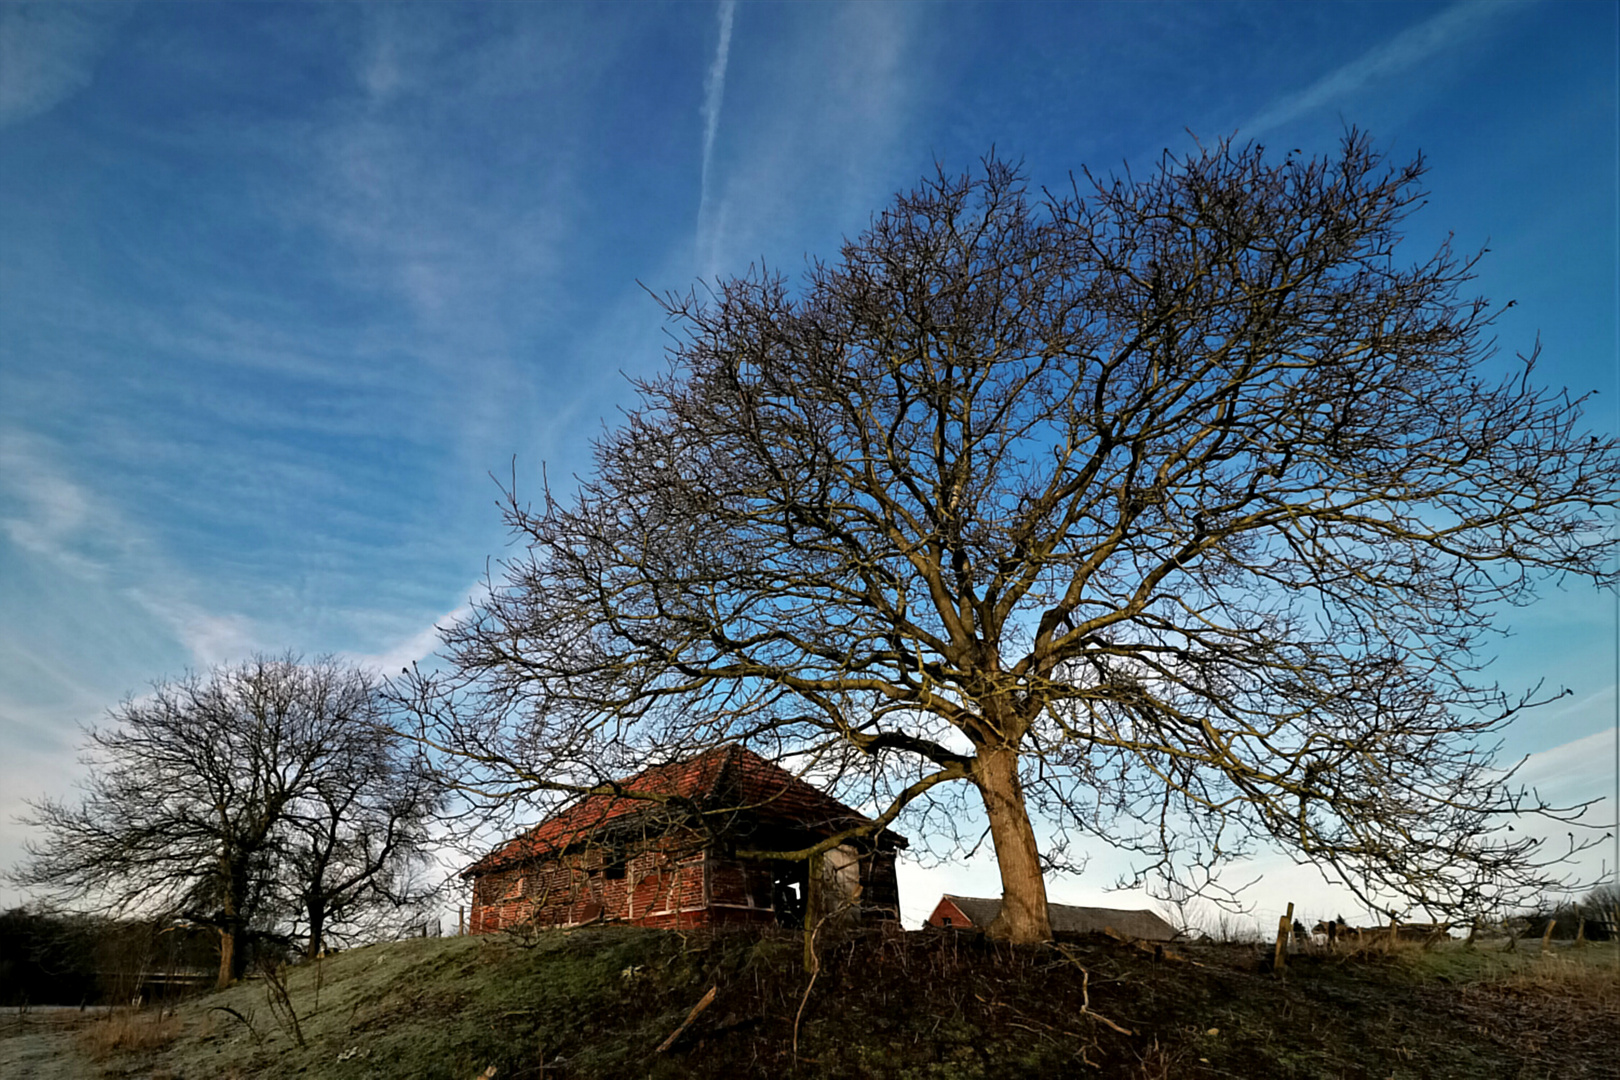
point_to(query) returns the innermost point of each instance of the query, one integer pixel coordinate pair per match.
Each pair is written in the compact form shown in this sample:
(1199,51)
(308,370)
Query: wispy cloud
(46,510)
(48,53)
(386,54)
(478,277)
(48,513)
(1575,771)
(53,516)
(1448,29)
(209,637)
(414,648)
(714,91)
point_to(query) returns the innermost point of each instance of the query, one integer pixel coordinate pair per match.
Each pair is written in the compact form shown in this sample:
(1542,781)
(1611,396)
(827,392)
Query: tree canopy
(269,797)
(1176,509)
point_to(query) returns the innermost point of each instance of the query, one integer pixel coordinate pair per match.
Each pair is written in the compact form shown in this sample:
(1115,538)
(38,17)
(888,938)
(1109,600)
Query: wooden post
(1394,932)
(812,910)
(461,920)
(1285,926)
(1546,939)
(1580,931)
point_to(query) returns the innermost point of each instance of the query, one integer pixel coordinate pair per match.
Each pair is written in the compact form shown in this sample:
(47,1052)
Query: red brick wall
(946,910)
(657,887)
(664,884)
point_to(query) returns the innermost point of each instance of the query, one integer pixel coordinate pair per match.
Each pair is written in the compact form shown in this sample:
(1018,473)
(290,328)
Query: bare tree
(356,839)
(1176,509)
(198,792)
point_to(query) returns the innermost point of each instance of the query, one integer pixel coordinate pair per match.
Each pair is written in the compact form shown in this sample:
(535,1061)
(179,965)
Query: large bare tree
(257,794)
(1174,508)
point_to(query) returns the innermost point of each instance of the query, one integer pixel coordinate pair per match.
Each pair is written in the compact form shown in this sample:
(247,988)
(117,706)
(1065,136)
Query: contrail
(1405,50)
(714,89)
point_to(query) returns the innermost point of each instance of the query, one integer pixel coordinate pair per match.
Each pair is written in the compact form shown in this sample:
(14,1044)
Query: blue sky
(281,286)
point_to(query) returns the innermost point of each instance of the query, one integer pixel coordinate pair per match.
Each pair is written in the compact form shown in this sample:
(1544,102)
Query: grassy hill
(600,1003)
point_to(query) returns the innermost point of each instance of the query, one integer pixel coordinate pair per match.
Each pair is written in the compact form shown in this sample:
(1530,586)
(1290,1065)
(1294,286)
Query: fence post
(1546,939)
(1285,926)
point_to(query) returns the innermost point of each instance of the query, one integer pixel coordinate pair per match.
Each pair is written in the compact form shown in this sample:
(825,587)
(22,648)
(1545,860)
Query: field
(602,1003)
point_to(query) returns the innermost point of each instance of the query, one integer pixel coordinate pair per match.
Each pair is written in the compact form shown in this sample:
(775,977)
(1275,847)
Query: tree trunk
(813,904)
(231,957)
(1023,919)
(317,927)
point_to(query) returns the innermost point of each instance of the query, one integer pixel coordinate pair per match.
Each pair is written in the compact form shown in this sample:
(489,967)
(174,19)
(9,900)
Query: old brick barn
(671,861)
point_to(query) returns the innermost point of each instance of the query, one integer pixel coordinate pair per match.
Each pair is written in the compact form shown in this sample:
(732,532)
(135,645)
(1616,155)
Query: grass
(129,1031)
(598,1003)
(1588,977)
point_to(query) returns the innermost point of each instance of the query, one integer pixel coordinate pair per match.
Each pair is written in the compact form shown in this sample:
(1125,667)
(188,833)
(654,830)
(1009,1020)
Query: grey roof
(1068,919)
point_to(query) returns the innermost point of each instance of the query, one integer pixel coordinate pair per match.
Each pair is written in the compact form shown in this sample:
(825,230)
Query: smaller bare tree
(199,803)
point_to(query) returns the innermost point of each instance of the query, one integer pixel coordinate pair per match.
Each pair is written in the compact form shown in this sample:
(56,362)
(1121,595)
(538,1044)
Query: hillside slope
(600,1002)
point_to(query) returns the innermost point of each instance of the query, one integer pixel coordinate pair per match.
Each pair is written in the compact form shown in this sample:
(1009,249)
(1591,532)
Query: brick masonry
(613,861)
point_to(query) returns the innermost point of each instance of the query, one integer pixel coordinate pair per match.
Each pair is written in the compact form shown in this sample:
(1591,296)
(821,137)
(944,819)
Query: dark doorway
(788,893)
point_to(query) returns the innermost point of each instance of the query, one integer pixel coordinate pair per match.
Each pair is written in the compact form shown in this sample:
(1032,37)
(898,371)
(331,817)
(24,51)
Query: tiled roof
(1069,919)
(730,779)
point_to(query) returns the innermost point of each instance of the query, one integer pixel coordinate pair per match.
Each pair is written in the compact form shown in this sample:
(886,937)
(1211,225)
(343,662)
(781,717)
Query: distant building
(974,913)
(673,863)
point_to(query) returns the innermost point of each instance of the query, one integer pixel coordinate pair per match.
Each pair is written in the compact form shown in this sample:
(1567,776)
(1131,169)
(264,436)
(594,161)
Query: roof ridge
(728,765)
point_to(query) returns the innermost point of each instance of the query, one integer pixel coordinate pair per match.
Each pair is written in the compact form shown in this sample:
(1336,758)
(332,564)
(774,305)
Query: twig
(708,999)
(815,972)
(812,962)
(1085,993)
(280,1000)
(258,1039)
(1085,1002)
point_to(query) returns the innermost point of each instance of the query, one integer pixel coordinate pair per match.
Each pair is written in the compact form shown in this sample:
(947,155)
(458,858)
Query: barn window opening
(788,894)
(947,922)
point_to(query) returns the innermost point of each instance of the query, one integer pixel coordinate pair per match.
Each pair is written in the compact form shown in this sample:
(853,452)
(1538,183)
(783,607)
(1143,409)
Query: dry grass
(1557,1013)
(129,1031)
(1380,944)
(1571,974)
